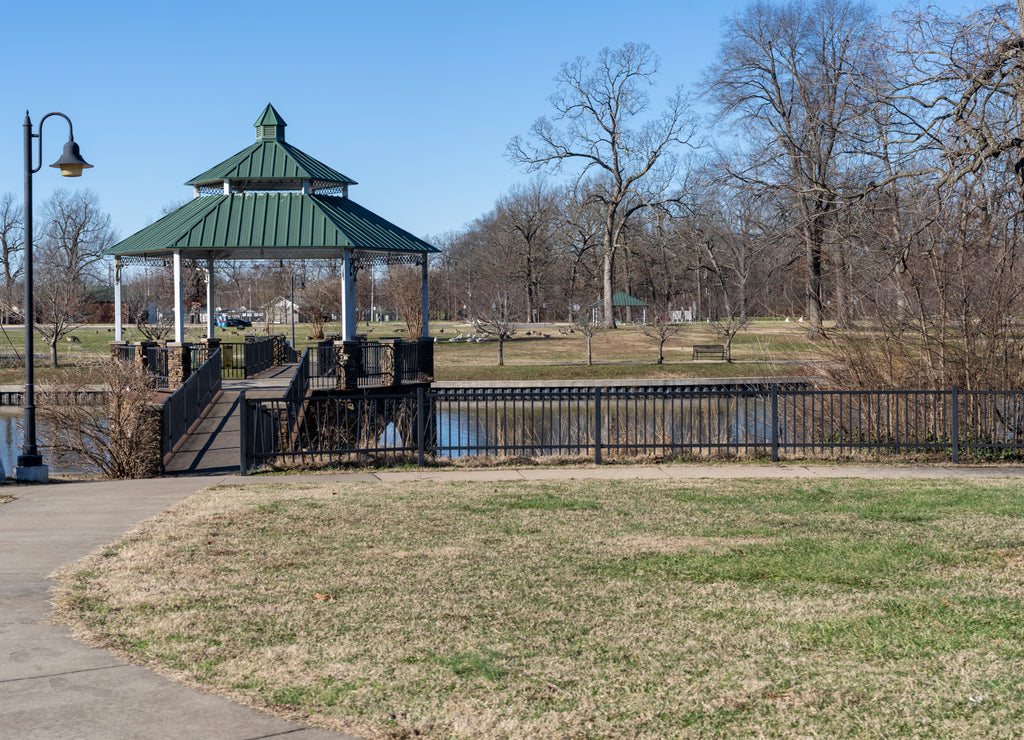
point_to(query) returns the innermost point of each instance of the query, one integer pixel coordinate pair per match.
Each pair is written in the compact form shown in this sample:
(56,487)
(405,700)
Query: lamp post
(30,462)
(302,286)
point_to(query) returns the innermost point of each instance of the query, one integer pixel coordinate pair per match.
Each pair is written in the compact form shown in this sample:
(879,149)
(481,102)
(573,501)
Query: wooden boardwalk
(213,448)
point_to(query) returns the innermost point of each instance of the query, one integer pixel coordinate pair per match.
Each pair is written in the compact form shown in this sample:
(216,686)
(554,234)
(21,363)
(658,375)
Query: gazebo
(620,299)
(270,201)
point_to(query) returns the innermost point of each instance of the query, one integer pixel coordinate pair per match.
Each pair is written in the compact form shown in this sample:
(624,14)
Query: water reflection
(12,435)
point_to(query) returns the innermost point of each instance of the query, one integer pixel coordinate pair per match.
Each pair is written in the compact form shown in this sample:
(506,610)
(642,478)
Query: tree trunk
(812,253)
(608,259)
(608,320)
(501,351)
(53,352)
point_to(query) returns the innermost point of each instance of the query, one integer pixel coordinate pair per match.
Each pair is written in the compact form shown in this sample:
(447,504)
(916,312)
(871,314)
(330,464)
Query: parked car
(240,323)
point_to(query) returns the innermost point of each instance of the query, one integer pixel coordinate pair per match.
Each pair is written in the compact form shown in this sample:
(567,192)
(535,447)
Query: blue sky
(416,101)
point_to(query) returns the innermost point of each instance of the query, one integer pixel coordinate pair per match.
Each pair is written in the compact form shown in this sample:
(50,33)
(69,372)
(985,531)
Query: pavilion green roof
(619,298)
(271,161)
(271,226)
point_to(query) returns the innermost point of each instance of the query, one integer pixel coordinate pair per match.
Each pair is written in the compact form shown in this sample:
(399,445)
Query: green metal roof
(271,159)
(275,163)
(270,117)
(271,226)
(619,298)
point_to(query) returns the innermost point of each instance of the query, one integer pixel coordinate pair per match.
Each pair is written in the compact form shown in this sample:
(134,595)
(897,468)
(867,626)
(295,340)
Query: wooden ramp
(213,448)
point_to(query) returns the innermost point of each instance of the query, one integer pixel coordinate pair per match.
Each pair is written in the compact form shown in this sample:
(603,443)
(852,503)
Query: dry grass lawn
(582,610)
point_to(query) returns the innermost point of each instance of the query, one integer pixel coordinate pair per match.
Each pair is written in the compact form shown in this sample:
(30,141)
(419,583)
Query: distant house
(281,311)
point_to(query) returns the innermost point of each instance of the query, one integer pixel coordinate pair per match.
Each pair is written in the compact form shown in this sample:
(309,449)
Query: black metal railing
(184,407)
(244,359)
(408,360)
(125,352)
(617,422)
(157,362)
(373,370)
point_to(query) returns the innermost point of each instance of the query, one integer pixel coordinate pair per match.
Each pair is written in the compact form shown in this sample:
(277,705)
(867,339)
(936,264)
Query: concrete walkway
(53,686)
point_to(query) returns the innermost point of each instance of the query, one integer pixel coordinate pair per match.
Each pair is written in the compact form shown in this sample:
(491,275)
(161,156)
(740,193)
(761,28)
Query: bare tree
(660,327)
(579,239)
(499,321)
(526,219)
(625,169)
(317,300)
(60,304)
(794,77)
(75,233)
(69,251)
(120,437)
(589,329)
(403,288)
(11,243)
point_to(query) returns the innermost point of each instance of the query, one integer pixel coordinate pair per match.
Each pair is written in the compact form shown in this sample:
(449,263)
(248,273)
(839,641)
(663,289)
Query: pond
(11,439)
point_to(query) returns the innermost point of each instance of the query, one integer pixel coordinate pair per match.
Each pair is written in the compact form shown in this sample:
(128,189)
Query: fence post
(597,425)
(243,434)
(775,422)
(421,427)
(955,424)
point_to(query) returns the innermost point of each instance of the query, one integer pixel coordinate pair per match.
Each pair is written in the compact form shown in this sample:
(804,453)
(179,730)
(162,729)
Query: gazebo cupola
(271,164)
(271,201)
(270,125)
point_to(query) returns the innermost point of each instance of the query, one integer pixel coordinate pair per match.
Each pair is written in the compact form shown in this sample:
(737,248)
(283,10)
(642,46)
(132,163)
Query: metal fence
(617,422)
(125,353)
(184,407)
(240,360)
(157,363)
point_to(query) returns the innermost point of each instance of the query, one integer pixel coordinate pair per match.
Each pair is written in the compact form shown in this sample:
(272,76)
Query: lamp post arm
(29,136)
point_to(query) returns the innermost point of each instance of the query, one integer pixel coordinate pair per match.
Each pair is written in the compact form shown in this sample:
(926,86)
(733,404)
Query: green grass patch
(752,608)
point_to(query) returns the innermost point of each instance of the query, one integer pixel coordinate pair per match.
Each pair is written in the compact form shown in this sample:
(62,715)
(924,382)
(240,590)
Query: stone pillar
(281,346)
(350,365)
(179,363)
(115,348)
(392,363)
(141,358)
(151,451)
(425,359)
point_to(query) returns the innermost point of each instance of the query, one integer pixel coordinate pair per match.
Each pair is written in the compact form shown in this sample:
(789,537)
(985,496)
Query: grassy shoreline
(582,609)
(770,347)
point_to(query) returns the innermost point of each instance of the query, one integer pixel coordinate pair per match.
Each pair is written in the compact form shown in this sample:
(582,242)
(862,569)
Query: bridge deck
(213,448)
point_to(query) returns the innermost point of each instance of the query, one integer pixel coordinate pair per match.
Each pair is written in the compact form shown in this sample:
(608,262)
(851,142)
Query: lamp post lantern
(30,462)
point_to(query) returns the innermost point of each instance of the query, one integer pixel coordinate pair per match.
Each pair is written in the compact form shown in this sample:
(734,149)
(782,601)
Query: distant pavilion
(270,201)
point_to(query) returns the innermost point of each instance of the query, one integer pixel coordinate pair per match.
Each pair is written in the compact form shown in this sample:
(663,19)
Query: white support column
(118,327)
(348,299)
(179,300)
(425,299)
(211,323)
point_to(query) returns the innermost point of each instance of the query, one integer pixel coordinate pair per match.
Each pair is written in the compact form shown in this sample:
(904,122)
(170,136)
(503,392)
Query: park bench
(709,349)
